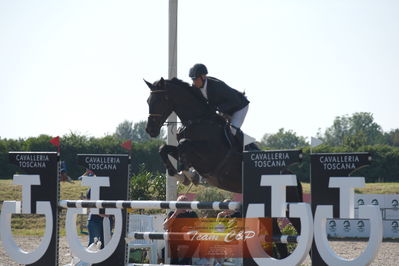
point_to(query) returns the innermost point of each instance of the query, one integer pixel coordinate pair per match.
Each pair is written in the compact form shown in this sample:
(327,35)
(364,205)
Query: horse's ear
(162,82)
(149,85)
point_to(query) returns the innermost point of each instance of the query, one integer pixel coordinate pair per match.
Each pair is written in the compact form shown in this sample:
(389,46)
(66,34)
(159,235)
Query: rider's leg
(237,119)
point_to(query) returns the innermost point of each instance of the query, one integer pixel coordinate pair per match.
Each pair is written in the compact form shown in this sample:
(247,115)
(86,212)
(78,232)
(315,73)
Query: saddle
(234,142)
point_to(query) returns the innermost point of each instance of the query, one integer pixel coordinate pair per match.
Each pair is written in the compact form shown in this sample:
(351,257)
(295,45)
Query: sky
(78,66)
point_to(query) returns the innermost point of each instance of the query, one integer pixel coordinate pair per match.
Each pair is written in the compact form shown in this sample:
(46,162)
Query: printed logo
(395,227)
(375,202)
(360,226)
(220,228)
(332,225)
(360,202)
(395,203)
(347,226)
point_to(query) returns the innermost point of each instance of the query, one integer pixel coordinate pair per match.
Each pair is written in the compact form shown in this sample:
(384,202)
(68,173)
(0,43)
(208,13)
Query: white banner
(389,204)
(359,228)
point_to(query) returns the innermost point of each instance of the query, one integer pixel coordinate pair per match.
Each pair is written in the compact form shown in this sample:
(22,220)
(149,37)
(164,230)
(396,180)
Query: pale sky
(78,66)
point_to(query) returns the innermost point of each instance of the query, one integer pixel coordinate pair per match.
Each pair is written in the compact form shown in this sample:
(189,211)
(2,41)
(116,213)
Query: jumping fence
(264,195)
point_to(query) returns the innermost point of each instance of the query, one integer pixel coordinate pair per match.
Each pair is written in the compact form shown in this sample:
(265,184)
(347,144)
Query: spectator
(228,213)
(64,176)
(181,252)
(97,222)
(229,219)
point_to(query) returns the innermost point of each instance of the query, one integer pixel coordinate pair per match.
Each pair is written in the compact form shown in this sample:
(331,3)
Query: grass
(370,188)
(379,188)
(33,224)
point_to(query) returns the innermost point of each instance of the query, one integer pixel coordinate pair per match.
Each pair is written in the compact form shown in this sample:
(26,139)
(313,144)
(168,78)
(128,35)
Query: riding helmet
(198,70)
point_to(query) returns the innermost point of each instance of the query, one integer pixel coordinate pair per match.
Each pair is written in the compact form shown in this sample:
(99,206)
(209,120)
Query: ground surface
(388,254)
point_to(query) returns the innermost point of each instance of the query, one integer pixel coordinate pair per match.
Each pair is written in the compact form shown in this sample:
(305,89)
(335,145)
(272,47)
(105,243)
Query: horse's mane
(180,82)
(192,100)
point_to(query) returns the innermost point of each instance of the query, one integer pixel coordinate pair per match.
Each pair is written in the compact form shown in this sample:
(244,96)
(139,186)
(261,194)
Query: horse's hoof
(180,177)
(195,178)
(186,181)
(192,175)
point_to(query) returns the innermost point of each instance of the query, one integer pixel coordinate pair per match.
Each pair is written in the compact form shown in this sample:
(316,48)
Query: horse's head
(159,105)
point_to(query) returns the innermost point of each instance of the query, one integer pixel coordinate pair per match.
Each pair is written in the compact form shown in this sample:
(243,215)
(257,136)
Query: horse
(205,141)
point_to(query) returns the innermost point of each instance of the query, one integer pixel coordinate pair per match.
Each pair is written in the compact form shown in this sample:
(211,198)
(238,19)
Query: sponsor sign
(348,228)
(217,238)
(391,203)
(116,168)
(323,167)
(38,175)
(255,165)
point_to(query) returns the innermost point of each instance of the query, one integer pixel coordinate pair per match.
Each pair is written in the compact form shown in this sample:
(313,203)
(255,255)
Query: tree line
(356,133)
(353,131)
(144,154)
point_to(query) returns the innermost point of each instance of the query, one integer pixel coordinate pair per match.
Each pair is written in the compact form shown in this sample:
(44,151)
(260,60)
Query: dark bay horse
(205,141)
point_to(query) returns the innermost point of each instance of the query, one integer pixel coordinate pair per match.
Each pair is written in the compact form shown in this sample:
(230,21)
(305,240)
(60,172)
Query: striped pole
(190,236)
(148,204)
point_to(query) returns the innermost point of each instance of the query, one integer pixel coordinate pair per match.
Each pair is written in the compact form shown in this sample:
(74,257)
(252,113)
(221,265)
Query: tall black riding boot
(239,137)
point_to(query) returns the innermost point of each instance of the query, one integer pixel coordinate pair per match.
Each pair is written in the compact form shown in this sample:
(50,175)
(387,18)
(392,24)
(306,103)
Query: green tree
(146,185)
(139,133)
(335,134)
(392,137)
(354,131)
(124,130)
(283,140)
(135,132)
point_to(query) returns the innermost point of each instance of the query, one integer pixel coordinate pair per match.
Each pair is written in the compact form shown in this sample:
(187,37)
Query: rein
(158,91)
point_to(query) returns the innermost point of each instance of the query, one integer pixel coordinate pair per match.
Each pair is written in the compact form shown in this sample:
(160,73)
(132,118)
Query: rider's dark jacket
(224,98)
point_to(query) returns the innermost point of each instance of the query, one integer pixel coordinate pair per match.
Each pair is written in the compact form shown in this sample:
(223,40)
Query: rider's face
(198,82)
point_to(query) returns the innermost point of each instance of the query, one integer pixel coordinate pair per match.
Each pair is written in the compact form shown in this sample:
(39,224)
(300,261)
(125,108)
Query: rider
(231,103)
(218,94)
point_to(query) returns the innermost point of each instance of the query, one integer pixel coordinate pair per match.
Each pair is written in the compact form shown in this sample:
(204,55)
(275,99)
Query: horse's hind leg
(295,194)
(281,248)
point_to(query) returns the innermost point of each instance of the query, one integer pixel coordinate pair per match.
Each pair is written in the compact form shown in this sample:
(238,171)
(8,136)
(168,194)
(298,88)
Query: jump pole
(188,236)
(149,204)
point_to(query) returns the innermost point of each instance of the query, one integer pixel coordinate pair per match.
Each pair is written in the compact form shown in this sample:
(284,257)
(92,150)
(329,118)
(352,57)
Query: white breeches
(237,119)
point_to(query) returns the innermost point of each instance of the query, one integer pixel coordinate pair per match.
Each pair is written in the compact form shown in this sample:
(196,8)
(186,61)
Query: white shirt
(204,90)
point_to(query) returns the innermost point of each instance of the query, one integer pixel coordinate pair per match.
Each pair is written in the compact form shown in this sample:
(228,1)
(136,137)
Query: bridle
(157,92)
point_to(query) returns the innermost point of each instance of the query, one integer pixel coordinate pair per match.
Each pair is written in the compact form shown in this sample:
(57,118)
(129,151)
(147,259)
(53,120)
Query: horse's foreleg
(195,154)
(166,150)
(173,151)
(187,155)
